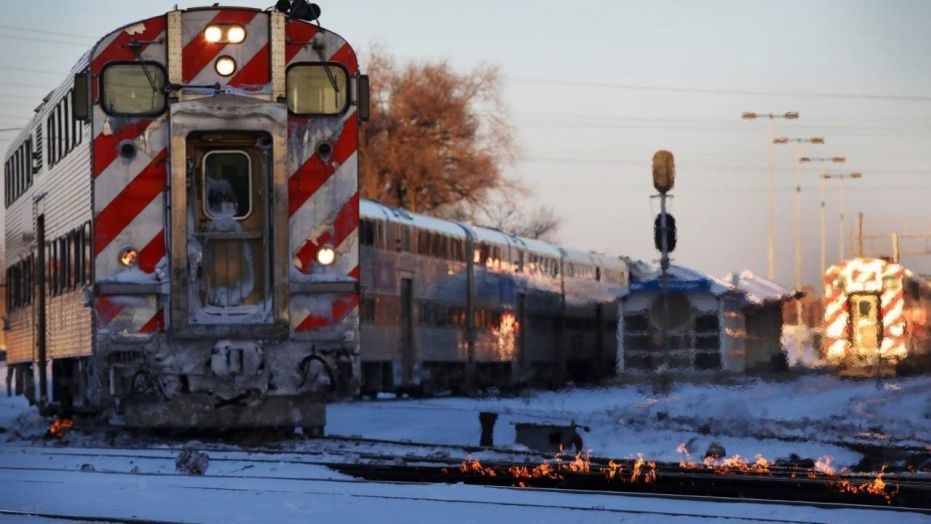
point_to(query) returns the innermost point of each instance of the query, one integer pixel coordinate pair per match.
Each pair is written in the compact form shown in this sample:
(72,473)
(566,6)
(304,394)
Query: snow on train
(448,306)
(182,224)
(877,317)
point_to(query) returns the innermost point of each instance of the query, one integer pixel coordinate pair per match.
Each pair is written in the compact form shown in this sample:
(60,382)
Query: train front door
(229,228)
(865,322)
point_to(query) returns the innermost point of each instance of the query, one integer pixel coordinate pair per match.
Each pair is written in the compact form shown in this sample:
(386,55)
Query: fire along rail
(636,476)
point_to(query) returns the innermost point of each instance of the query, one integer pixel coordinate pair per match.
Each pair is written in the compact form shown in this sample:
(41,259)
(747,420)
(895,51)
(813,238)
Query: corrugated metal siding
(66,205)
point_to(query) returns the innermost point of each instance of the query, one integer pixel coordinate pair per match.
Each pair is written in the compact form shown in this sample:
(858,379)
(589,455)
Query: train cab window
(317,89)
(865,308)
(133,89)
(227,184)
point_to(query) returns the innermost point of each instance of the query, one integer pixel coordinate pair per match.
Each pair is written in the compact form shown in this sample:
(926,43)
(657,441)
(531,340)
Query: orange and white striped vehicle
(876,317)
(182,224)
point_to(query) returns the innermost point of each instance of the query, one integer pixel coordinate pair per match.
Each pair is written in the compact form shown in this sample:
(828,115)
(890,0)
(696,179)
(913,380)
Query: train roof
(540,247)
(373,209)
(577,256)
(378,210)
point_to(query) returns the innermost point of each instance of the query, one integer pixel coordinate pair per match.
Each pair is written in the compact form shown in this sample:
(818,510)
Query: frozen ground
(810,416)
(137,479)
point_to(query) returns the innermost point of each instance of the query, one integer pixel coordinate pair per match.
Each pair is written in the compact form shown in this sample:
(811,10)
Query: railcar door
(407,331)
(865,322)
(229,237)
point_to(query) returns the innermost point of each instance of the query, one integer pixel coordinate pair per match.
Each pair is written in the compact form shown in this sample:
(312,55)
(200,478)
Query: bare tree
(504,213)
(437,139)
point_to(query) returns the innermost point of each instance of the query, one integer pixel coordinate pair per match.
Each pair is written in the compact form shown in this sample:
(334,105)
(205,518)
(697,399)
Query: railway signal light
(670,232)
(664,171)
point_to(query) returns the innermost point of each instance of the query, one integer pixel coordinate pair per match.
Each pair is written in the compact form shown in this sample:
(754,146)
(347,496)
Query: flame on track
(59,426)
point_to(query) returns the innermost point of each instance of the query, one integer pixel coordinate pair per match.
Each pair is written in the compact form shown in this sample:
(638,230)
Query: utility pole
(842,237)
(821,160)
(798,212)
(771,206)
(860,233)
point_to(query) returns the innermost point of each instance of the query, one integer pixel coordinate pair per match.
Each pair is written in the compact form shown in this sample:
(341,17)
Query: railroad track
(311,486)
(913,493)
(778,484)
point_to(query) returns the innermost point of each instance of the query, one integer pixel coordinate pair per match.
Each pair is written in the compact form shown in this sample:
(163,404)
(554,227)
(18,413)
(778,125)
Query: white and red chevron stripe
(870,276)
(323,192)
(128,203)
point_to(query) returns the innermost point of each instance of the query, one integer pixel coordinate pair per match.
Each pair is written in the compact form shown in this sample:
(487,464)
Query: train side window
(133,88)
(317,89)
(367,232)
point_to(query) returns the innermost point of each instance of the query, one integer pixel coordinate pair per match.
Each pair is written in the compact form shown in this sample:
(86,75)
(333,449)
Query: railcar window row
(20,278)
(437,245)
(64,132)
(69,261)
(18,172)
(543,266)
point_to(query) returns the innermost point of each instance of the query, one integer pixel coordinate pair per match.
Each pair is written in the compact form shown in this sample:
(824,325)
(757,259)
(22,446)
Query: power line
(46,40)
(709,91)
(31,70)
(21,84)
(47,32)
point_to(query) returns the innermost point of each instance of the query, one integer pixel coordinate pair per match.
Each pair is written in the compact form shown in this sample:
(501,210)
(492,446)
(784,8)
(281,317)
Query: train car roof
(540,247)
(606,261)
(574,255)
(487,234)
(377,210)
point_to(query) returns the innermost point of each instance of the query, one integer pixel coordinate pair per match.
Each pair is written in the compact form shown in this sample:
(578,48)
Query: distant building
(732,325)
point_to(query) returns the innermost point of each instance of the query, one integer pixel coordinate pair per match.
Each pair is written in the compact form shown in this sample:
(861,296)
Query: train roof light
(225,66)
(235,34)
(213,34)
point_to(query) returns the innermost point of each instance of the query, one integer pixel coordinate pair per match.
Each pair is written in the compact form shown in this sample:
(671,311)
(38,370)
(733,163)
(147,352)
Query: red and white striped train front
(864,314)
(225,218)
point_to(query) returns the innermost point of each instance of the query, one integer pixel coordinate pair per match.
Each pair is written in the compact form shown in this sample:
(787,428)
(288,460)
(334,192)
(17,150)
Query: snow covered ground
(136,478)
(809,416)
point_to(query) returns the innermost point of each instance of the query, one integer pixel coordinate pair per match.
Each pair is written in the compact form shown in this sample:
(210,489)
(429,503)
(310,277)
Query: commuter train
(448,306)
(877,318)
(182,224)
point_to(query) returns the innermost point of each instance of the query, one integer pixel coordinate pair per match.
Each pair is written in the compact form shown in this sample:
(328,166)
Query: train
(453,307)
(182,224)
(187,246)
(877,318)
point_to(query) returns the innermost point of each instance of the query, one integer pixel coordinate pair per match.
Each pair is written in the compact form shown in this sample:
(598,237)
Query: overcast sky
(595,87)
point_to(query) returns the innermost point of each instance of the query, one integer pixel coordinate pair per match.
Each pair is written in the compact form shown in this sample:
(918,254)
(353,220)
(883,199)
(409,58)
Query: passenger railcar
(876,317)
(449,306)
(182,224)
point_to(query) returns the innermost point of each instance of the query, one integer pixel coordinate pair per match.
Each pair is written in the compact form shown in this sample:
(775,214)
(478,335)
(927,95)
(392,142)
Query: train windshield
(315,89)
(133,89)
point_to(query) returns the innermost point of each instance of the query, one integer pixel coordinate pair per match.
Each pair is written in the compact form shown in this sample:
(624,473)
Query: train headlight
(128,257)
(213,34)
(235,34)
(326,255)
(225,66)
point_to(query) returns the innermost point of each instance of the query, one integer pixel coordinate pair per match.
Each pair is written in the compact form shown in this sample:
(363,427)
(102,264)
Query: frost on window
(227,184)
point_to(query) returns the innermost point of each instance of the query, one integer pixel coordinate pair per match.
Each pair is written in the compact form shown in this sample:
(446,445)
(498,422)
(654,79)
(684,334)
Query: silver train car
(449,306)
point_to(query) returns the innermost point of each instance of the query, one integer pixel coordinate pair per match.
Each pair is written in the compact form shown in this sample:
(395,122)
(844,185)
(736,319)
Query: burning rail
(723,477)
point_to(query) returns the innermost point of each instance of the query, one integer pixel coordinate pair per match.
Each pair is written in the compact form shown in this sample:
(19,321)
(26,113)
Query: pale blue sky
(588,88)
